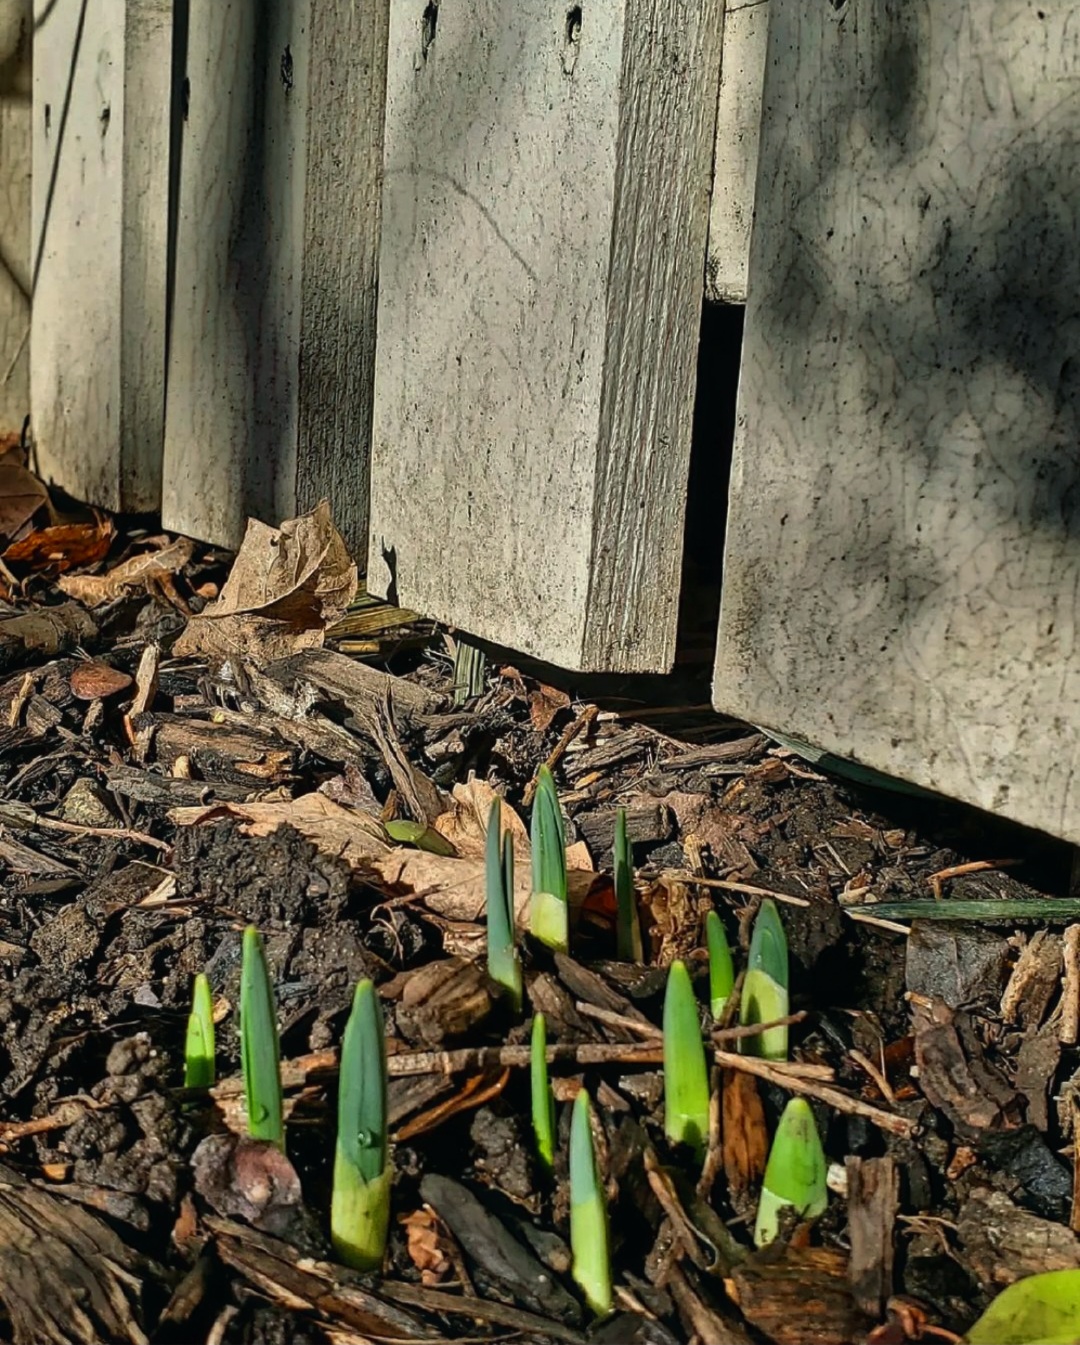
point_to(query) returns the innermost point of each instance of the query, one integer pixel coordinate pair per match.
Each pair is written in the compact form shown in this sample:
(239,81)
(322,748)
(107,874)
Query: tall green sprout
(360,1204)
(504,965)
(627,926)
(199,1044)
(543,1101)
(721,970)
(686,1075)
(591,1266)
(260,1054)
(548,913)
(795,1173)
(765,985)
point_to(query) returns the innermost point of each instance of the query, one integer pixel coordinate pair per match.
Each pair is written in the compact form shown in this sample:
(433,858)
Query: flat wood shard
(738,123)
(902,555)
(545,204)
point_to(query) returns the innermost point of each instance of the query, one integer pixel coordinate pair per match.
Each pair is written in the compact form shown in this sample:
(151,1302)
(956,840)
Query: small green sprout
(407,832)
(795,1173)
(260,1054)
(627,926)
(686,1075)
(591,1266)
(504,965)
(765,986)
(721,971)
(360,1204)
(548,913)
(199,1044)
(543,1103)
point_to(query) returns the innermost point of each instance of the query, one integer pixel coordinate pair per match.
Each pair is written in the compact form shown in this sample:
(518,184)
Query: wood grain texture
(270,365)
(545,202)
(102,82)
(738,123)
(903,548)
(15,120)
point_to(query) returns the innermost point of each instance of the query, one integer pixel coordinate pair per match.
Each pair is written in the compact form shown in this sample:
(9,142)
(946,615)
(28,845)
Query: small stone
(87,804)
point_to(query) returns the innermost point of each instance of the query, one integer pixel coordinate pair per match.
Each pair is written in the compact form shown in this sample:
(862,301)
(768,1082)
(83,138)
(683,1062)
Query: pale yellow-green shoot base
(549,920)
(591,1267)
(359,1216)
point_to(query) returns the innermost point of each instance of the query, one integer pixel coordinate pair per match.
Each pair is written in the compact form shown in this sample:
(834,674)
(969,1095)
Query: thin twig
(1070,987)
(556,754)
(843,1102)
(681,876)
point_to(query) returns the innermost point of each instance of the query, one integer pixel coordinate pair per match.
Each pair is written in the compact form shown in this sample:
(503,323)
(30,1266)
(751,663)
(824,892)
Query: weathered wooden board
(102,90)
(545,207)
(738,122)
(903,552)
(272,347)
(15,26)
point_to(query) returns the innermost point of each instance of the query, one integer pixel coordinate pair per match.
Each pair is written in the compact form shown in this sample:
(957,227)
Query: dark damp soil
(105,919)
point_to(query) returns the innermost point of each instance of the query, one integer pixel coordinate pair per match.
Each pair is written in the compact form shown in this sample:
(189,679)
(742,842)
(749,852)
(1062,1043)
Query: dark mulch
(950,1049)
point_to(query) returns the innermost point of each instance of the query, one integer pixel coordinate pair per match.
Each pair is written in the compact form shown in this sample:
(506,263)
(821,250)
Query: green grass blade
(721,970)
(765,985)
(548,912)
(795,1175)
(360,1204)
(199,1045)
(504,965)
(260,1055)
(543,1103)
(591,1267)
(627,925)
(686,1075)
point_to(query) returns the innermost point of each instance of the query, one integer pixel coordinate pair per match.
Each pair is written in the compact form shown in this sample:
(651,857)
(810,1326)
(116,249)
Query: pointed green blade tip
(686,1075)
(796,1172)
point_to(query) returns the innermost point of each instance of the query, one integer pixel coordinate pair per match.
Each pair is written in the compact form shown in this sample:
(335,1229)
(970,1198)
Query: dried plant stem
(843,1102)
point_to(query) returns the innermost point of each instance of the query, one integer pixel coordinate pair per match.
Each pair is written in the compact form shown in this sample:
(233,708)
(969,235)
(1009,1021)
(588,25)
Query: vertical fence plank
(15,29)
(738,121)
(271,348)
(547,173)
(102,89)
(903,550)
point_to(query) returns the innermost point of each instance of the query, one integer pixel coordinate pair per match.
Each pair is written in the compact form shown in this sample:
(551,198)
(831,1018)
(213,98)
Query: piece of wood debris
(873,1198)
(1034,981)
(65,1276)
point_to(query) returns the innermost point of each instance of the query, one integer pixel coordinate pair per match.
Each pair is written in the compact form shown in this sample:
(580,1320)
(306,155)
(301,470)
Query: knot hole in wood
(573,38)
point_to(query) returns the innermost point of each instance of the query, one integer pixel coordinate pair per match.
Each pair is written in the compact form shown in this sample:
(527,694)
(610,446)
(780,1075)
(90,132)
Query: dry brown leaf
(286,587)
(62,547)
(465,824)
(355,837)
(473,1093)
(21,496)
(450,886)
(133,573)
(454,887)
(544,704)
(423,1243)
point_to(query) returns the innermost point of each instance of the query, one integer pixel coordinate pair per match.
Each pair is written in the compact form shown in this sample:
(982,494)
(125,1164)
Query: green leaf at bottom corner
(1040,1310)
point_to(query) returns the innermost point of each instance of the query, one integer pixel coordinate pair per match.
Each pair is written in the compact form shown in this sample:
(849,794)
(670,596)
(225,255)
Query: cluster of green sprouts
(363,1173)
(360,1203)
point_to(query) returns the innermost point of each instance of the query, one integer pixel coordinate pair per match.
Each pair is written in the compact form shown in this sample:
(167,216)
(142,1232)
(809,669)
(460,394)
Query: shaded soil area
(155,802)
